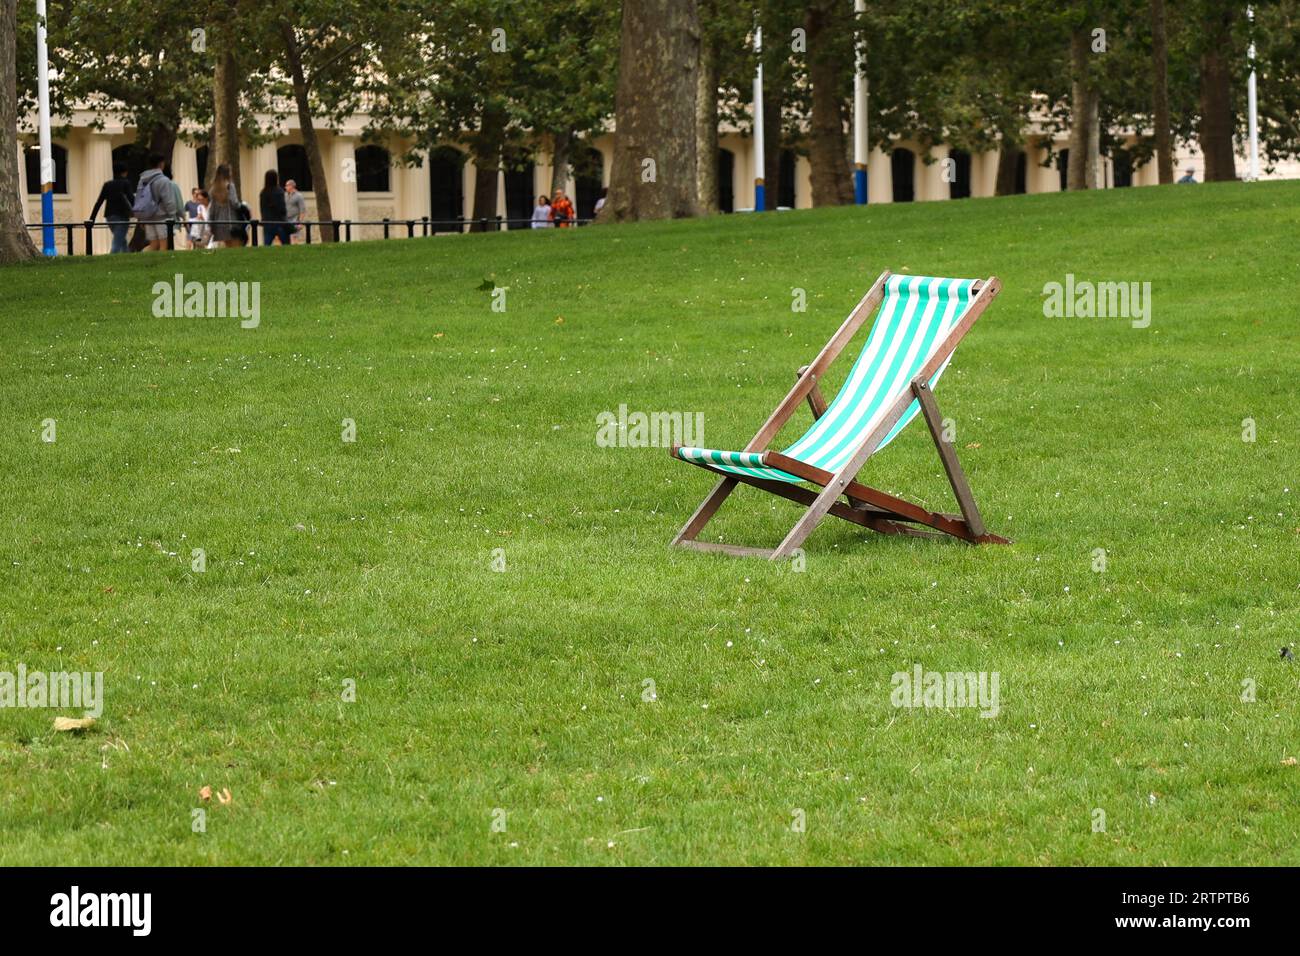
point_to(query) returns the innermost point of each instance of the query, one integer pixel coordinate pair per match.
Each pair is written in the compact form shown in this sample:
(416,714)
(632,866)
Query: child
(200,234)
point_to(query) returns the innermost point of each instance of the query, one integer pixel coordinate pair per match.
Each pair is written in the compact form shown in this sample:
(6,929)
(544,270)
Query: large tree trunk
(15,242)
(1084,128)
(1160,93)
(828,151)
(1217,119)
(487,144)
(310,144)
(654,112)
(561,159)
(706,129)
(1008,163)
(225,116)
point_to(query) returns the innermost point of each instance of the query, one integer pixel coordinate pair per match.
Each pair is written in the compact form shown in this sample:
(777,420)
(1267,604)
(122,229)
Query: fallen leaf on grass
(1290,762)
(224,797)
(73,723)
(205,793)
(973,444)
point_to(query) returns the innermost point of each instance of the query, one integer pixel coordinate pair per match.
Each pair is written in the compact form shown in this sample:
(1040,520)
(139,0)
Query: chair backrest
(916,315)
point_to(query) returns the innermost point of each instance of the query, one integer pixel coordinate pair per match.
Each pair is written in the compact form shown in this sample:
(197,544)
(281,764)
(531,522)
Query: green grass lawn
(371,561)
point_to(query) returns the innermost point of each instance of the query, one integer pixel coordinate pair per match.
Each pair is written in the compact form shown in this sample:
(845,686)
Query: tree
(708,83)
(1217,123)
(144,63)
(654,170)
(1160,93)
(329,56)
(1085,103)
(829,27)
(15,243)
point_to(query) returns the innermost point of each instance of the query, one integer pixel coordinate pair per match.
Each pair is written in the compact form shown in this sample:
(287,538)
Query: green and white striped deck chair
(921,321)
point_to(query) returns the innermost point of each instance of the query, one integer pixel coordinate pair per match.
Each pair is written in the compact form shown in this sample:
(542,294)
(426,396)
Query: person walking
(561,210)
(223,211)
(155,203)
(200,234)
(542,213)
(116,196)
(295,208)
(192,207)
(273,211)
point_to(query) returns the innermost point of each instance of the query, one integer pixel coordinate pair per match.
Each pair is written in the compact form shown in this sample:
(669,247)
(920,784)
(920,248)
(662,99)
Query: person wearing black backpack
(155,203)
(116,195)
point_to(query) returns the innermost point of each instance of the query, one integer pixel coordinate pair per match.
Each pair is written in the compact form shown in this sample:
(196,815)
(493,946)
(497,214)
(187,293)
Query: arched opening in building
(136,158)
(1123,163)
(959,184)
(291,161)
(446,188)
(1063,168)
(785,178)
(372,169)
(32,157)
(902,167)
(521,190)
(201,160)
(726,181)
(588,180)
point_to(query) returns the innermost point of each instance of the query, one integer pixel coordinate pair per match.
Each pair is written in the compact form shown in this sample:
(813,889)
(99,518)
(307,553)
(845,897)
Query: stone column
(880,177)
(260,159)
(96,169)
(414,184)
(185,167)
(543,171)
(341,175)
(930,182)
(984,173)
(468,172)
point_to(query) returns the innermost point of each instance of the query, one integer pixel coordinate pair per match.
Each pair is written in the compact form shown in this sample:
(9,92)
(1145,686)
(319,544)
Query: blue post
(760,196)
(47,216)
(860,185)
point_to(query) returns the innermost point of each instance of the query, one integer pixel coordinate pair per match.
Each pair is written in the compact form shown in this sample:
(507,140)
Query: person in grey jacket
(295,209)
(164,197)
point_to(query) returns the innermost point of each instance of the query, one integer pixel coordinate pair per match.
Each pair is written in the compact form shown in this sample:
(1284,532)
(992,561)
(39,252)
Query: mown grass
(371,561)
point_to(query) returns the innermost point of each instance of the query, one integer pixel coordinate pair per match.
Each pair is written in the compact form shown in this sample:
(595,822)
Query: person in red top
(562,210)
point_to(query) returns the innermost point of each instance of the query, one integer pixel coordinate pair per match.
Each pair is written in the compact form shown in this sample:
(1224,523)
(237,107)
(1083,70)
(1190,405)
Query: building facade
(367,186)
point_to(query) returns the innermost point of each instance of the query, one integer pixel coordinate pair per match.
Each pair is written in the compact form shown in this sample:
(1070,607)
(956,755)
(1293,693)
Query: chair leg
(807,522)
(705,511)
(956,476)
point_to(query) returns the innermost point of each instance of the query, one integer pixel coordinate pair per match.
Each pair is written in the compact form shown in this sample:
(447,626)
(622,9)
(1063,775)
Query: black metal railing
(339,228)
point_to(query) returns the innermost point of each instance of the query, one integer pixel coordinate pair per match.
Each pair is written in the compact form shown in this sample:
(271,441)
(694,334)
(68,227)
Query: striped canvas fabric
(917,312)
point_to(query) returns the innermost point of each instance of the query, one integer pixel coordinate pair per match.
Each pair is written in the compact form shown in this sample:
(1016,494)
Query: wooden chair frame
(866,506)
